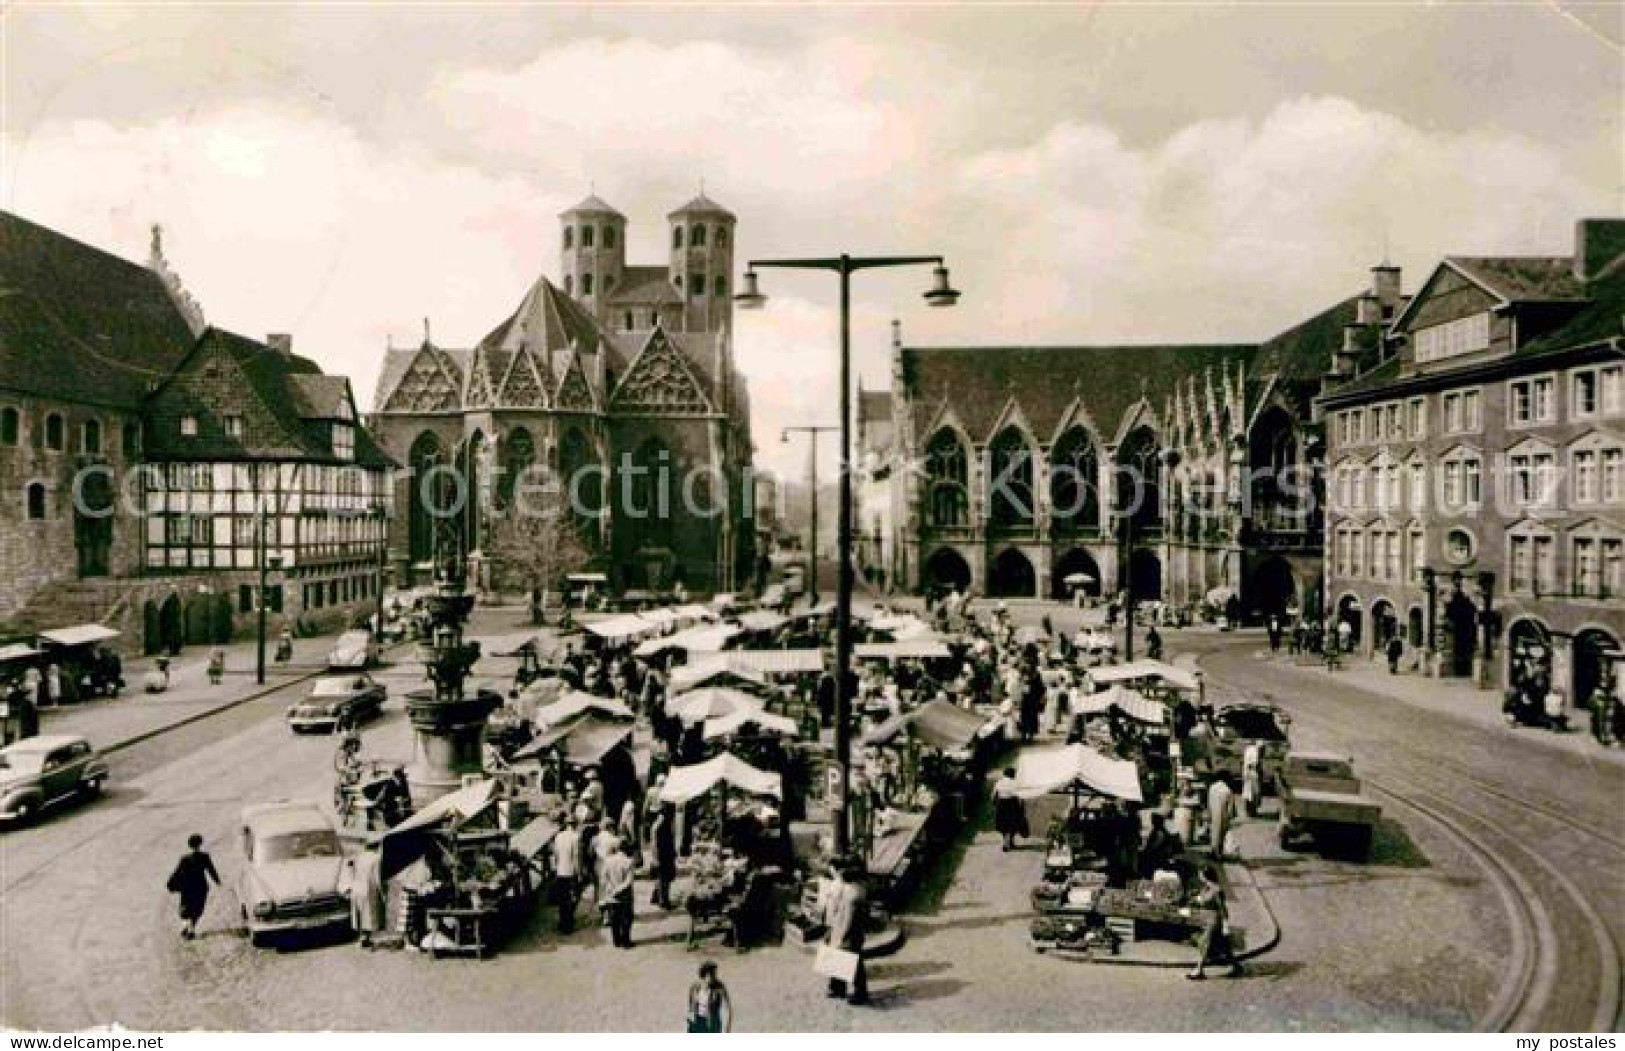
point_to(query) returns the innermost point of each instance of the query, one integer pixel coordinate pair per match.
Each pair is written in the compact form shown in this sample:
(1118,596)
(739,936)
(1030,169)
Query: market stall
(88,665)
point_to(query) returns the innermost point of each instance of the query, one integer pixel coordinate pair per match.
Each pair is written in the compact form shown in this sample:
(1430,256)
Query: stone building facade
(1477,468)
(1187,473)
(95,351)
(620,385)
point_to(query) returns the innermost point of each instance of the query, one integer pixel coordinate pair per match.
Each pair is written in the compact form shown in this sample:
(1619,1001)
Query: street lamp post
(941,294)
(265,564)
(812,433)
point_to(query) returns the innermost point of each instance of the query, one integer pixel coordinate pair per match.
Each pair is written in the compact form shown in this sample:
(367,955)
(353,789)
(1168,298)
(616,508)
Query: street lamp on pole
(940,294)
(812,433)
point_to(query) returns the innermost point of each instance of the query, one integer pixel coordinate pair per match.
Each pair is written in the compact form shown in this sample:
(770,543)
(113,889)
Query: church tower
(702,247)
(592,241)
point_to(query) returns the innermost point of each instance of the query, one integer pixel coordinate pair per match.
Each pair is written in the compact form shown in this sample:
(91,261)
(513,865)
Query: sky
(1093,173)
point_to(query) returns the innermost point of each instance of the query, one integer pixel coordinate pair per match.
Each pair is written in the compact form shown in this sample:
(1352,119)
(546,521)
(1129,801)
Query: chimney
(281,342)
(1385,284)
(1368,310)
(1598,244)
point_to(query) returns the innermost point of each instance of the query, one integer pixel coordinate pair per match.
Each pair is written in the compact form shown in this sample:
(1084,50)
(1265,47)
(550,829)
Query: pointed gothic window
(677,237)
(586,237)
(569,237)
(1075,481)
(1010,480)
(946,476)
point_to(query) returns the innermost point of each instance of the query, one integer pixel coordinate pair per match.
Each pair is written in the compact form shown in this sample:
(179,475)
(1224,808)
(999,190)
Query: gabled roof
(1304,351)
(874,406)
(1523,279)
(230,375)
(1109,381)
(1602,318)
(79,323)
(702,205)
(645,286)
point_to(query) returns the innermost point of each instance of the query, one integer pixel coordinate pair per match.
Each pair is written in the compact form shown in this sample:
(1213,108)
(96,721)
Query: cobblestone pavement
(1409,941)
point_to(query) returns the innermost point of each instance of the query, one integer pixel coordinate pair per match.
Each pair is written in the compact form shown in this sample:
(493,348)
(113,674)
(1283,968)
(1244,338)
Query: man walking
(567,873)
(1394,650)
(1221,810)
(1214,946)
(663,844)
(616,876)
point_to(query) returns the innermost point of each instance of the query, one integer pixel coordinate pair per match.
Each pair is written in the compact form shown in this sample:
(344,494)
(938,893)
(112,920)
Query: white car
(292,863)
(354,649)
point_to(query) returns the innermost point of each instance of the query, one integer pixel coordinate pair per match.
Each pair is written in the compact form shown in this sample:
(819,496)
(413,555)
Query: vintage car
(354,649)
(1235,726)
(290,881)
(336,702)
(1321,798)
(39,771)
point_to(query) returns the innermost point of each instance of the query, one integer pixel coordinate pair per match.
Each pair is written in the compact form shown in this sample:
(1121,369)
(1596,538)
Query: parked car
(1321,798)
(1236,726)
(37,772)
(354,649)
(337,701)
(290,879)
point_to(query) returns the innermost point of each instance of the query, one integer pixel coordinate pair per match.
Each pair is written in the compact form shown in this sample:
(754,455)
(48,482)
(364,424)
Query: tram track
(1565,967)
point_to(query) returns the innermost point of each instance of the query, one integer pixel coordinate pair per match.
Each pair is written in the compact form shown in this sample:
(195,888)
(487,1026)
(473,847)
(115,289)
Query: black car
(337,701)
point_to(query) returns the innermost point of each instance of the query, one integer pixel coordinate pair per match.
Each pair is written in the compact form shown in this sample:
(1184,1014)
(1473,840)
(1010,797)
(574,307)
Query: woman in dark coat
(191,881)
(1009,815)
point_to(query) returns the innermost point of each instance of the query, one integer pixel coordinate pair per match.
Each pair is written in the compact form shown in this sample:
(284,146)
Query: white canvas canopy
(693,613)
(710,638)
(79,635)
(762,620)
(901,649)
(1131,704)
(406,842)
(622,626)
(507,645)
(1076,767)
(1179,678)
(688,782)
(575,703)
(712,702)
(764,722)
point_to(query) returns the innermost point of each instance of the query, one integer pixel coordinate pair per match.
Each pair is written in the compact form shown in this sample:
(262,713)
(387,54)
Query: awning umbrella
(709,638)
(1076,579)
(720,676)
(17,651)
(762,620)
(576,703)
(693,613)
(624,626)
(688,782)
(531,840)
(1131,704)
(712,702)
(1076,767)
(80,635)
(916,649)
(937,724)
(1160,671)
(507,645)
(1220,595)
(585,740)
(765,723)
(407,841)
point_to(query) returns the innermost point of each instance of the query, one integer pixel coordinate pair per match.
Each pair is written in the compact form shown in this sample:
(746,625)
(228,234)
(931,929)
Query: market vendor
(1160,848)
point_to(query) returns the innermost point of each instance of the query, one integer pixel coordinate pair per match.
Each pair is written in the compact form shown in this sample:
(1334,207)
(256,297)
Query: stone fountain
(448,721)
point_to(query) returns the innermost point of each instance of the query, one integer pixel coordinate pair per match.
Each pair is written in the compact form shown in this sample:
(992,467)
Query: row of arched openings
(1073,480)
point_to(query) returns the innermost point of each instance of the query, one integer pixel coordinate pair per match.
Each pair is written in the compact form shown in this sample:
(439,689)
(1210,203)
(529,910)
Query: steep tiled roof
(1603,318)
(1526,279)
(81,324)
(230,375)
(977,382)
(1304,351)
(645,286)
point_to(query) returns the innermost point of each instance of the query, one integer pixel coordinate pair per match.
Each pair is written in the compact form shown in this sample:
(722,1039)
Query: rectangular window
(1585,477)
(1587,567)
(1419,486)
(202,530)
(1357,498)
(1613,476)
(1418,551)
(1472,483)
(1417,418)
(177,529)
(343,441)
(1522,480)
(1530,401)
(1611,389)
(1452,484)
(234,426)
(1462,336)
(1613,568)
(1452,413)
(1583,394)
(1545,564)
(1357,426)
(1395,429)
(1519,566)
(189,426)
(1470,411)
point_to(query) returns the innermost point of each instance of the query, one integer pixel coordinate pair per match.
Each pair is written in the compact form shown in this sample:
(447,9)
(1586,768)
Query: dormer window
(343,441)
(188,426)
(234,426)
(1461,336)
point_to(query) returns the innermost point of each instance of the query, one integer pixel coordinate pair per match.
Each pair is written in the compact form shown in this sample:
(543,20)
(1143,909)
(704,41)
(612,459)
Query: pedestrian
(567,873)
(217,665)
(1214,946)
(364,878)
(1275,633)
(53,685)
(284,646)
(1153,643)
(1009,813)
(844,915)
(709,1008)
(616,878)
(1221,810)
(1252,777)
(1345,635)
(190,880)
(1160,849)
(1395,650)
(663,844)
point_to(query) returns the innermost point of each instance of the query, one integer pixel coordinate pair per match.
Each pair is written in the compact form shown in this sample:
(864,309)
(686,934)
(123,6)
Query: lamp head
(942,293)
(750,297)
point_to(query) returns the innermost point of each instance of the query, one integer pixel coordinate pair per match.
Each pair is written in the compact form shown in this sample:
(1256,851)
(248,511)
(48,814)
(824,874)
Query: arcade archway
(1461,635)
(945,569)
(1274,588)
(1076,563)
(1594,651)
(1145,576)
(1012,576)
